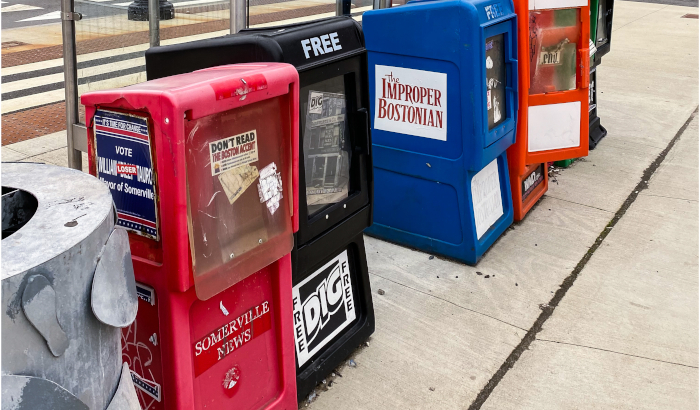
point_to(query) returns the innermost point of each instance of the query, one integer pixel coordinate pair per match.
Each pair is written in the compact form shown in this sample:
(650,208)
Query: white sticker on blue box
(125,165)
(486,198)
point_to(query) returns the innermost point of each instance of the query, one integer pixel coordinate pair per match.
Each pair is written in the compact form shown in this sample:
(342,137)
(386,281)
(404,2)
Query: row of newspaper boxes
(248,167)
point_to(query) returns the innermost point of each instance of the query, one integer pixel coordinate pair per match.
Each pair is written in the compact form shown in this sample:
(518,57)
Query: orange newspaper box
(553,79)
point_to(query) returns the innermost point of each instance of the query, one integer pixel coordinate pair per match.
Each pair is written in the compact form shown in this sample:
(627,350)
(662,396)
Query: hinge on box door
(71,16)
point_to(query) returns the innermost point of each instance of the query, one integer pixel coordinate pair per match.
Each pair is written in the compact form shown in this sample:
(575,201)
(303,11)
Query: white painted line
(31,66)
(311,17)
(82,73)
(54,96)
(57,62)
(193,2)
(179,4)
(19,7)
(48,16)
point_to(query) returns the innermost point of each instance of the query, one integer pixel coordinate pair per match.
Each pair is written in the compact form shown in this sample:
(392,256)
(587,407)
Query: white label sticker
(486,198)
(412,102)
(270,187)
(316,103)
(550,57)
(554,126)
(323,306)
(232,152)
(488,99)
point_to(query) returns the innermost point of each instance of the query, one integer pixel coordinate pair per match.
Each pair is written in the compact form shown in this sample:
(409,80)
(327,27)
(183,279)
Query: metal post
(70,73)
(154,22)
(381,4)
(238,15)
(342,7)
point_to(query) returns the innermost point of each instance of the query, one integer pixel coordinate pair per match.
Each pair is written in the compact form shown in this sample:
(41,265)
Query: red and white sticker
(232,152)
(127,169)
(231,378)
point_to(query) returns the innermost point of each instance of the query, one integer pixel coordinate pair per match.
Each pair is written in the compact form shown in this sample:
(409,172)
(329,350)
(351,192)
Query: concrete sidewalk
(623,336)
(566,311)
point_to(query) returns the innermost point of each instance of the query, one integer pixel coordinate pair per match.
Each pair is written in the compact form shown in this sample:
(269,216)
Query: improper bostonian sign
(412,102)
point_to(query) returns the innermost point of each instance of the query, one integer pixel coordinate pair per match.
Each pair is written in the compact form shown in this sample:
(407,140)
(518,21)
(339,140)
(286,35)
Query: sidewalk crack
(671,197)
(634,21)
(568,282)
(577,203)
(616,352)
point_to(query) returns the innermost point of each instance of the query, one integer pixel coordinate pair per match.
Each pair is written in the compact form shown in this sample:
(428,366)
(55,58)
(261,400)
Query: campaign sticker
(149,387)
(323,306)
(232,152)
(125,165)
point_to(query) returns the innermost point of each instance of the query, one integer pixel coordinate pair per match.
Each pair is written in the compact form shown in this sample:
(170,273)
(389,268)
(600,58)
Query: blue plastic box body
(434,126)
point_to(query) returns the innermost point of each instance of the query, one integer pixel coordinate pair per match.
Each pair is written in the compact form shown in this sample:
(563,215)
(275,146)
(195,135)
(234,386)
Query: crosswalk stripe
(48,16)
(19,7)
(57,62)
(182,3)
(82,73)
(54,96)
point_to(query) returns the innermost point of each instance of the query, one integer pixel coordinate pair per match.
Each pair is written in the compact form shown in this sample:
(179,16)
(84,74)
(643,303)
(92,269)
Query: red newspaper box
(553,74)
(203,172)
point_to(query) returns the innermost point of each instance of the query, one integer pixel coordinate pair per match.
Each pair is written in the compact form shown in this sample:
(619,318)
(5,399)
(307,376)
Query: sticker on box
(125,165)
(411,102)
(323,306)
(232,152)
(270,187)
(236,181)
(532,181)
(486,198)
(552,55)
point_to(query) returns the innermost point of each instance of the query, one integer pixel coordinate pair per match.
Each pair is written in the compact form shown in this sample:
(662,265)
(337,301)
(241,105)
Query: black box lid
(304,45)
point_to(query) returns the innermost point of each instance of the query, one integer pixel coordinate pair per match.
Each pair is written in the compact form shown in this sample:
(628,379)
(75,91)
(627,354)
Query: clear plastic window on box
(327,153)
(495,80)
(239,193)
(554,37)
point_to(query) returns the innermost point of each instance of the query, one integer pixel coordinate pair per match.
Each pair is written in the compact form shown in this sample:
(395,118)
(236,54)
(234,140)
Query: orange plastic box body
(553,56)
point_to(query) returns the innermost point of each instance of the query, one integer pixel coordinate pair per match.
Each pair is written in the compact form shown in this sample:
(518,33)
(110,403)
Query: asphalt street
(23,13)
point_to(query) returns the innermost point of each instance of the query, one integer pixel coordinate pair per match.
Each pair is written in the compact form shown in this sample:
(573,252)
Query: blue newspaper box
(443,101)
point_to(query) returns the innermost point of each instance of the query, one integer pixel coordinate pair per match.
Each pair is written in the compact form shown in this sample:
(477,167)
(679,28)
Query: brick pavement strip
(35,122)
